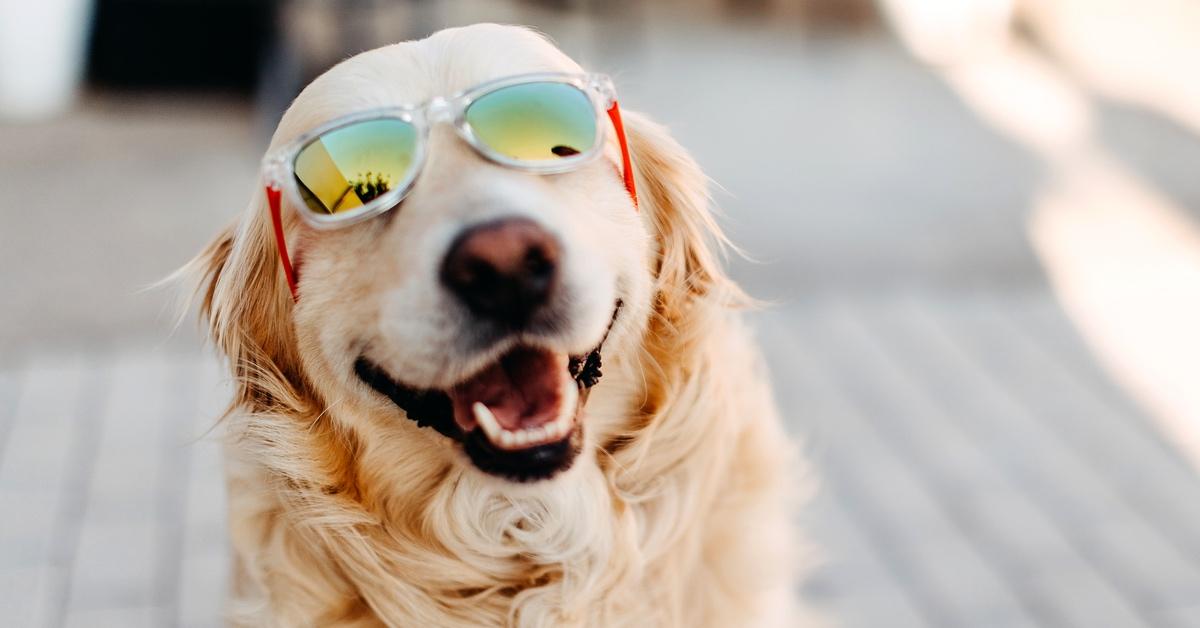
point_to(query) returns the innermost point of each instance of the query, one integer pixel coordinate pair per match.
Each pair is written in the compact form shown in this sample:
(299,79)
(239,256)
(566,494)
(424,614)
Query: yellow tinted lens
(349,167)
(535,121)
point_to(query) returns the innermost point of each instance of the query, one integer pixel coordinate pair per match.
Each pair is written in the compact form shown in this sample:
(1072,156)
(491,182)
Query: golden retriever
(362,493)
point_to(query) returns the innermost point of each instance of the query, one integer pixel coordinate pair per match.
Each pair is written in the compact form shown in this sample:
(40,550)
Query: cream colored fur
(343,513)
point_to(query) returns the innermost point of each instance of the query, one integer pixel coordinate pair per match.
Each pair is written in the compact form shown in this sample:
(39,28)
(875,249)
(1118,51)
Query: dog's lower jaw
(527,465)
(432,408)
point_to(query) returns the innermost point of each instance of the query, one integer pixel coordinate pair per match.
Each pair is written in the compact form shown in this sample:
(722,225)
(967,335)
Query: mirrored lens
(535,121)
(349,167)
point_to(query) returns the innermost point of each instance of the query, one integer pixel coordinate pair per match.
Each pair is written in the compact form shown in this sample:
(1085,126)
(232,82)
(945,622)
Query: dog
(365,487)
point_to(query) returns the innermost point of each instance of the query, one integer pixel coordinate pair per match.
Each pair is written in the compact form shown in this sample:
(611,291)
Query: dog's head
(467,325)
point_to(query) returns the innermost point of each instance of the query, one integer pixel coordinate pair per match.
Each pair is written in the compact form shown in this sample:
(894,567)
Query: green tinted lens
(348,167)
(535,121)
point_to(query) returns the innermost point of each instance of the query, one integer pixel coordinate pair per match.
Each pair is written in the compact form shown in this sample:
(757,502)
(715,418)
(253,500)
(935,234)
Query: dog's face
(474,306)
(463,328)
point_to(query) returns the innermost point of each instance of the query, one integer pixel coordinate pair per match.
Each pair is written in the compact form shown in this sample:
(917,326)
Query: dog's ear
(247,307)
(673,193)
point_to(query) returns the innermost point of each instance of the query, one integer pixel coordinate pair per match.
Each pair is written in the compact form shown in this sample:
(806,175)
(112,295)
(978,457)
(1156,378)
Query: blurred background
(977,222)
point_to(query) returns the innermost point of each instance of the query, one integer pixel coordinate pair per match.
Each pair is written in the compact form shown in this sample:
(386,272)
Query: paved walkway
(976,471)
(111,497)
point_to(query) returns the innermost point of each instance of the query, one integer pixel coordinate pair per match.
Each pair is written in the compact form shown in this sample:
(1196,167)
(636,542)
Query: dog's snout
(503,270)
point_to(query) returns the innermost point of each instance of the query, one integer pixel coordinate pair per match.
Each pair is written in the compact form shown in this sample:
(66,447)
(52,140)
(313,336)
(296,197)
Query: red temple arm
(614,114)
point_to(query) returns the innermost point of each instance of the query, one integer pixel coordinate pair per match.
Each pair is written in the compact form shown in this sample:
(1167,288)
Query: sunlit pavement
(978,465)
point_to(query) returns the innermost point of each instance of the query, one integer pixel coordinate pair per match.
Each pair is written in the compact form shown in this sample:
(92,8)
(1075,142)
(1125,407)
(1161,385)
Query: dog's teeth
(511,439)
(571,397)
(485,418)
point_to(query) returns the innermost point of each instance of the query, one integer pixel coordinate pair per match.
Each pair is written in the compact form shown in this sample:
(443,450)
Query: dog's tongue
(523,389)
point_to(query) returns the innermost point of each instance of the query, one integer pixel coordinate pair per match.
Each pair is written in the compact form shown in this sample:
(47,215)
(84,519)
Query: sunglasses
(364,164)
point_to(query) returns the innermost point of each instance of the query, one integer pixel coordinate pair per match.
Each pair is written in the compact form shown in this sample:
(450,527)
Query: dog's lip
(534,459)
(538,459)
(522,388)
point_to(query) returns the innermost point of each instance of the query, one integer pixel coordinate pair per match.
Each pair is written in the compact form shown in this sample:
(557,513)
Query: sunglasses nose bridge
(439,110)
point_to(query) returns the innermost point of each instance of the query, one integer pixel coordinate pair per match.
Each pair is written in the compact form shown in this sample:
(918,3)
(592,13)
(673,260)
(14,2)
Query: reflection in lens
(535,121)
(351,166)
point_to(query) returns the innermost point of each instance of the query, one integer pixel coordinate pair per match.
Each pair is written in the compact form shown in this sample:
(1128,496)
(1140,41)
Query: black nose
(503,270)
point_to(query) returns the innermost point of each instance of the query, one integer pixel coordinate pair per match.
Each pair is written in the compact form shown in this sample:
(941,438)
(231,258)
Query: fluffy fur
(343,513)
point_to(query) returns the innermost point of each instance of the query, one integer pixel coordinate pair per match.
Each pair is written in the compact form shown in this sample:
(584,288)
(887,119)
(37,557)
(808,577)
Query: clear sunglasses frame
(278,167)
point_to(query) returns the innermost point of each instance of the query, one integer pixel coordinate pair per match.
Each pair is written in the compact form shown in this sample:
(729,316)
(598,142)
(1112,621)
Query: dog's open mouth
(524,399)
(518,417)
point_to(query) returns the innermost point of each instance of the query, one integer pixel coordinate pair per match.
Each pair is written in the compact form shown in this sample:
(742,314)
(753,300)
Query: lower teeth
(546,433)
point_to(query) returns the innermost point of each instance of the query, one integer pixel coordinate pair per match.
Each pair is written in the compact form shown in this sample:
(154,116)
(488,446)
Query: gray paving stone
(1026,542)
(11,380)
(121,532)
(205,564)
(887,607)
(1186,617)
(973,590)
(1135,459)
(26,528)
(1049,468)
(35,455)
(1154,573)
(1030,451)
(845,561)
(205,574)
(960,411)
(1079,599)
(1138,543)
(121,617)
(115,566)
(29,595)
(40,467)
(932,560)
